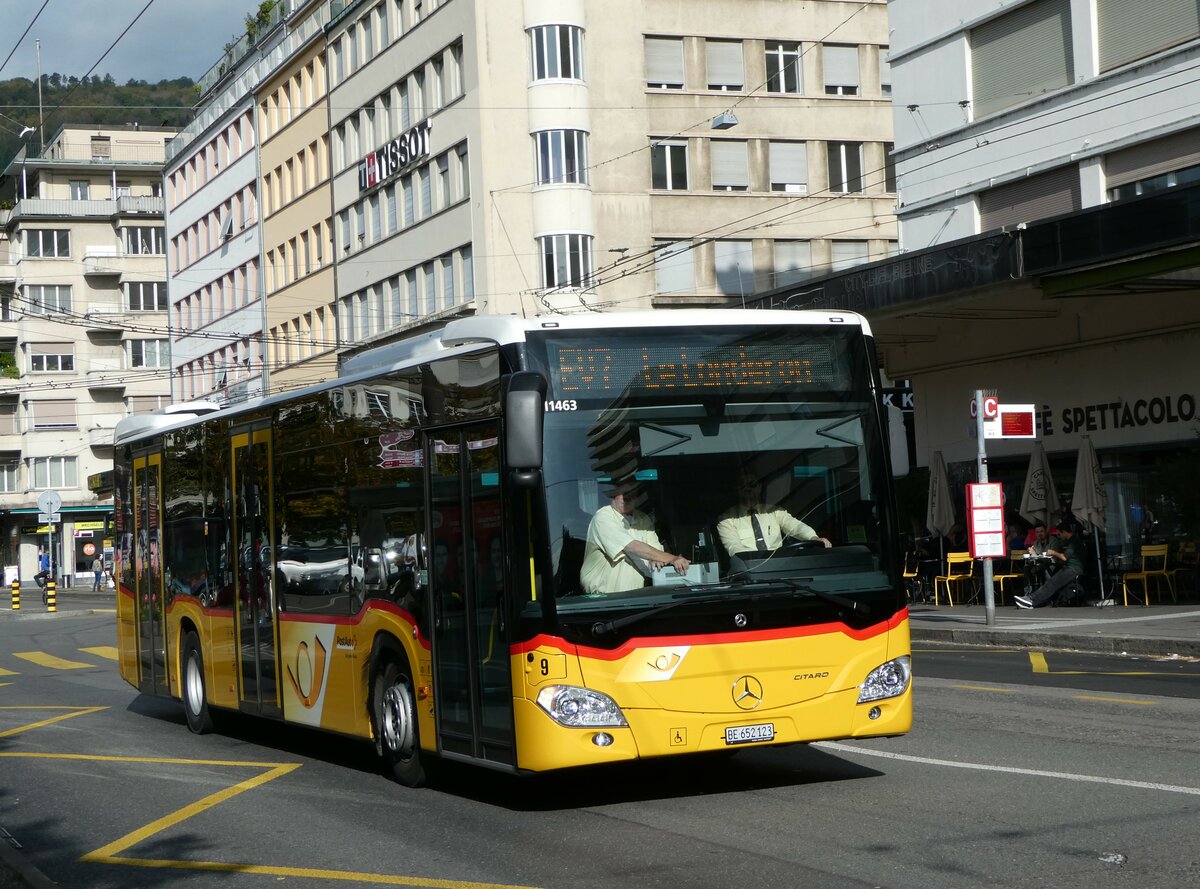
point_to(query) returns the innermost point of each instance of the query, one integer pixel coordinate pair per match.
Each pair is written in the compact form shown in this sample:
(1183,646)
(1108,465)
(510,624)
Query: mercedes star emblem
(747,692)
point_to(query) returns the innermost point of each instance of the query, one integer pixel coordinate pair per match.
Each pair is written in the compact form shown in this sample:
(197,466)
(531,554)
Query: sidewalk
(1159,630)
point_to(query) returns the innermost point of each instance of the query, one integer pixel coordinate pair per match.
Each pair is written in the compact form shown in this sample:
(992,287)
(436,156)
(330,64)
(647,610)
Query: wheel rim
(397,720)
(194,682)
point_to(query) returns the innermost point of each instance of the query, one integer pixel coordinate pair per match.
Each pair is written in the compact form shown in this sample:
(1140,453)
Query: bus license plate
(746,734)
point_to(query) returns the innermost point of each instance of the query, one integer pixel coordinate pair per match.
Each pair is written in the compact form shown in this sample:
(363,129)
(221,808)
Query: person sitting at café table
(1037,540)
(1068,553)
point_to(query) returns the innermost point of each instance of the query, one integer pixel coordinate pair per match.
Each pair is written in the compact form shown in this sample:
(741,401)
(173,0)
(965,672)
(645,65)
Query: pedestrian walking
(98,572)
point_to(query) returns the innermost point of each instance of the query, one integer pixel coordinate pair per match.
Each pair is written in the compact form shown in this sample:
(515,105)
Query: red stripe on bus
(604,654)
(353,620)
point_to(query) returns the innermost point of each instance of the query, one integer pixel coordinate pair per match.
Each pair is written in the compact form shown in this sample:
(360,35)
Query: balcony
(99,261)
(51,208)
(101,436)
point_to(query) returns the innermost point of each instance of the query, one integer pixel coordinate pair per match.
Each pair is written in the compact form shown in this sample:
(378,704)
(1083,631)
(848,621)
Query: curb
(13,861)
(1109,644)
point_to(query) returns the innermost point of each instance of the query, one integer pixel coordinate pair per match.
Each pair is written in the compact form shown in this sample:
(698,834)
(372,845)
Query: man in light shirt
(622,546)
(755,527)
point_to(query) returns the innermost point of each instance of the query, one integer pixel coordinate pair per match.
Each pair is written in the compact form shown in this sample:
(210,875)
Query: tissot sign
(396,156)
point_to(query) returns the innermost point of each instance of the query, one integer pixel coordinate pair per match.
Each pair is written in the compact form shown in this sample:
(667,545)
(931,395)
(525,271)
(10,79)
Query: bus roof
(463,335)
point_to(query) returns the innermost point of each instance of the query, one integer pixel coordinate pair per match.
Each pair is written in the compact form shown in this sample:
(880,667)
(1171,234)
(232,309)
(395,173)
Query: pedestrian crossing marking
(42,659)
(105,651)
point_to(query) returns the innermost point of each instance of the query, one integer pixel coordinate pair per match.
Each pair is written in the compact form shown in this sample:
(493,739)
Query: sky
(172,38)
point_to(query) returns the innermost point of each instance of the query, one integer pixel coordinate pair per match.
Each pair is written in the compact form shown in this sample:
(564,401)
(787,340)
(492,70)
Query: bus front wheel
(195,700)
(394,713)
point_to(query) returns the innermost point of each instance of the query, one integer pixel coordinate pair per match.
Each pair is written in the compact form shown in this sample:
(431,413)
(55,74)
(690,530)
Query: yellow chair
(1154,566)
(959,567)
(911,576)
(1012,570)
(1185,565)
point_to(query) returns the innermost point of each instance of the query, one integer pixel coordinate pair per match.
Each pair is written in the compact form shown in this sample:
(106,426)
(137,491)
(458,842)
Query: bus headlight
(577,707)
(887,680)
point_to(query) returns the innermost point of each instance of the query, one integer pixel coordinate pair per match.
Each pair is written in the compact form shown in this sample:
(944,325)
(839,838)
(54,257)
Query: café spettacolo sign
(394,157)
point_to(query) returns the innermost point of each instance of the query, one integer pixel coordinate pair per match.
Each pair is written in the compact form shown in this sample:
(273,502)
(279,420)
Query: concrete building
(1046,156)
(520,158)
(83,327)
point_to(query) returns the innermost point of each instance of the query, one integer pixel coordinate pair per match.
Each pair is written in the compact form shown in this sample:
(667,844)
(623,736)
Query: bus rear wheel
(195,698)
(394,717)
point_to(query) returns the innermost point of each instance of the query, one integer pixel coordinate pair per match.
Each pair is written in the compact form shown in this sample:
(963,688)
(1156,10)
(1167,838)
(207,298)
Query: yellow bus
(532,544)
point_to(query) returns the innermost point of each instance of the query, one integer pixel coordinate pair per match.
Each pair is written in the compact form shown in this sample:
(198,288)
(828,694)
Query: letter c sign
(991,407)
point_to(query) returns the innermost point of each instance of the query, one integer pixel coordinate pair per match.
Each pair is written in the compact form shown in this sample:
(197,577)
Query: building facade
(495,157)
(83,323)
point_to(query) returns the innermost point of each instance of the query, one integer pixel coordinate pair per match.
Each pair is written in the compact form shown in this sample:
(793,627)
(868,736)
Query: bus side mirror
(524,405)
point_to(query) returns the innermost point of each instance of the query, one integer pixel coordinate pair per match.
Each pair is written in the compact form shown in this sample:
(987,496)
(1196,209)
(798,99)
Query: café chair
(1185,565)
(959,569)
(1154,566)
(1012,571)
(911,576)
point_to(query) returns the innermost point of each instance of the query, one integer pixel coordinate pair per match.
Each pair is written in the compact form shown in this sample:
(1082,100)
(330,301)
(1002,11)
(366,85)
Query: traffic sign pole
(990,406)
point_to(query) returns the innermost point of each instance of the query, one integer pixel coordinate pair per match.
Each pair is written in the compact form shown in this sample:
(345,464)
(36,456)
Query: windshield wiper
(603,627)
(793,586)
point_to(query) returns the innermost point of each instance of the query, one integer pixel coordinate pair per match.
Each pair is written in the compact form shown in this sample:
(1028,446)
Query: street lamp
(25,151)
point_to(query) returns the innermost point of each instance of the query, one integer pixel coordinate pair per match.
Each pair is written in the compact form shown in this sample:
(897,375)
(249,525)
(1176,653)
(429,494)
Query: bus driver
(622,546)
(754,527)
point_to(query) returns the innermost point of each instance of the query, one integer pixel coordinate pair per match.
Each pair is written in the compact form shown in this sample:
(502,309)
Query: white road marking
(1012,770)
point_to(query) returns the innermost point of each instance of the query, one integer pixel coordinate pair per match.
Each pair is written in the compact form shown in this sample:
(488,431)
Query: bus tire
(394,723)
(195,697)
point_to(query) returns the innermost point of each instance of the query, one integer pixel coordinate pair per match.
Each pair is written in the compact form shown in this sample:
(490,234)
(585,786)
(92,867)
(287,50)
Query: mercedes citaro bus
(419,553)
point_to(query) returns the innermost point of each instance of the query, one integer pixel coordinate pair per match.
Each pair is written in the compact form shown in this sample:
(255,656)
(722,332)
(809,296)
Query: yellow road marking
(4,672)
(48,660)
(3,684)
(1006,691)
(1113,700)
(1038,661)
(74,711)
(106,651)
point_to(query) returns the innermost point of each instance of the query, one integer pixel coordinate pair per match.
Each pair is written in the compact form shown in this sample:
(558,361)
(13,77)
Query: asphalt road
(1011,777)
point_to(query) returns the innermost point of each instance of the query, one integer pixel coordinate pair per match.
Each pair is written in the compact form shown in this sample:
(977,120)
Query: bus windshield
(754,453)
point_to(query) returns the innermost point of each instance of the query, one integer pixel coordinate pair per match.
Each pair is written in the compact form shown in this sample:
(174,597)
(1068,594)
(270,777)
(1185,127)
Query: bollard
(16,599)
(51,603)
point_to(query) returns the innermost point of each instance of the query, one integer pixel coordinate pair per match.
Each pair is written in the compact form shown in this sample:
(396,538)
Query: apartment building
(519,158)
(83,327)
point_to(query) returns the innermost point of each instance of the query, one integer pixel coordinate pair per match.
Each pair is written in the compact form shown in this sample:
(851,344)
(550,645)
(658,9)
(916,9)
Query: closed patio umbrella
(1039,498)
(1089,499)
(939,517)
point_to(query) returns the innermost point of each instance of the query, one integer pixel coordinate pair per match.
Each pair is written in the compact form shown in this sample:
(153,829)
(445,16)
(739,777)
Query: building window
(789,167)
(45,298)
(556,52)
(144,240)
(8,478)
(669,165)
(566,260)
(889,167)
(79,189)
(841,70)
(885,73)
(1129,31)
(783,68)
(1154,165)
(734,267)
(146,296)
(58,414)
(54,472)
(101,148)
(729,166)
(561,157)
(793,262)
(47,242)
(845,167)
(664,63)
(149,353)
(1020,55)
(51,358)
(724,63)
(845,254)
(673,269)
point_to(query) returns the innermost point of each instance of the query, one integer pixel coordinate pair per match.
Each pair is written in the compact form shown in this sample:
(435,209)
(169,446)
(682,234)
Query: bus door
(148,576)
(472,684)
(254,557)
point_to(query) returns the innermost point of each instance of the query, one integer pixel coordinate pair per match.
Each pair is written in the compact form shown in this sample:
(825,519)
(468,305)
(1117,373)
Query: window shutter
(673,271)
(48,414)
(847,253)
(734,267)
(1020,55)
(841,65)
(1029,200)
(789,166)
(793,261)
(1128,31)
(1174,152)
(664,60)
(725,66)
(885,72)
(729,166)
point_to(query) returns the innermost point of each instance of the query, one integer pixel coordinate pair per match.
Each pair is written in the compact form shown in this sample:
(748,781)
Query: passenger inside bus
(623,549)
(754,527)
